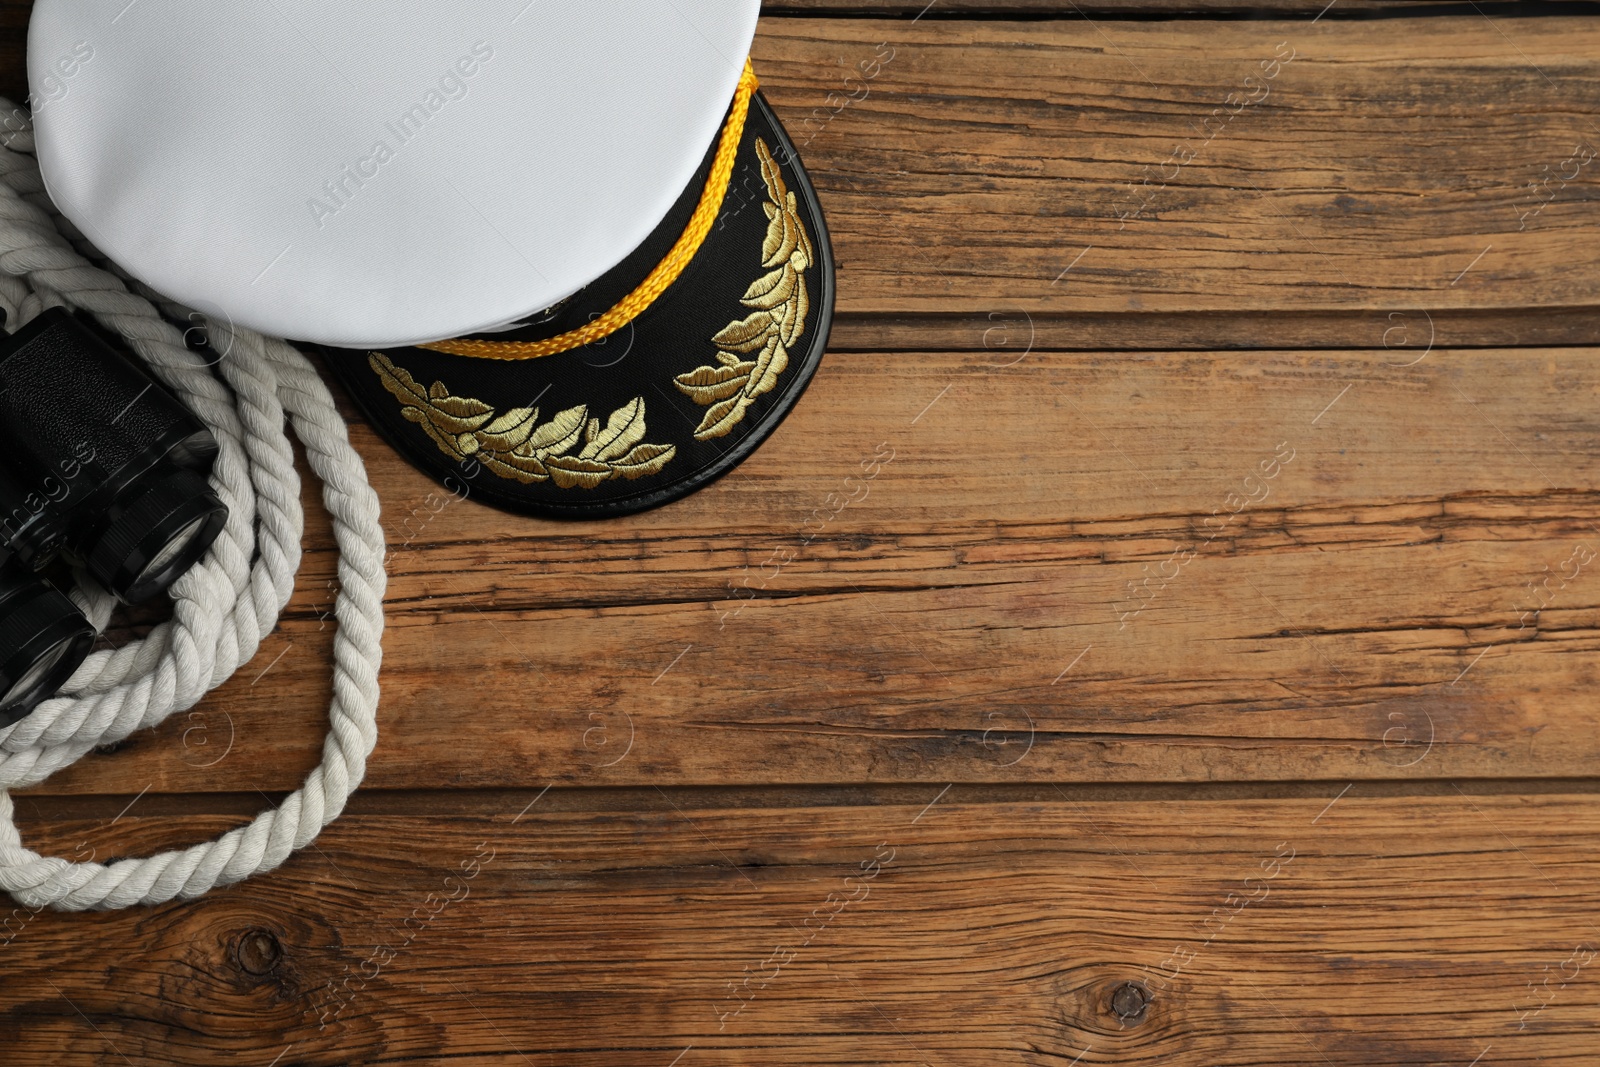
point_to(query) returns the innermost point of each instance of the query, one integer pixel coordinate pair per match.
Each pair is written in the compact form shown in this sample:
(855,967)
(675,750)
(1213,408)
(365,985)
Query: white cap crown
(374,174)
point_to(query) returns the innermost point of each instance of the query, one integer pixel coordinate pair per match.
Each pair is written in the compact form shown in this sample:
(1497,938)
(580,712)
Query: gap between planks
(487,803)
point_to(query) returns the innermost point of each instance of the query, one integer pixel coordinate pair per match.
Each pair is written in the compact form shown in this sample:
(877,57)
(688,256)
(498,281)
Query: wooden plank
(1387,166)
(1370,622)
(945,9)
(1009,331)
(766,631)
(14,15)
(1334,929)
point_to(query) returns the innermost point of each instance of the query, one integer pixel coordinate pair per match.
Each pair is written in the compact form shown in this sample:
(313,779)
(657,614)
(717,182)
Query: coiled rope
(227,603)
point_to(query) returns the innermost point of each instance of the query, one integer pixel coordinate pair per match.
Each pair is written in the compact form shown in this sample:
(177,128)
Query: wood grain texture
(939,10)
(1009,331)
(14,16)
(1200,706)
(1332,929)
(1387,167)
(1374,172)
(1372,613)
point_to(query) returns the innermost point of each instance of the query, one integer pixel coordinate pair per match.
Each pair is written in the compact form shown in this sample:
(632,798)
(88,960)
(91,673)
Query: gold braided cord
(665,273)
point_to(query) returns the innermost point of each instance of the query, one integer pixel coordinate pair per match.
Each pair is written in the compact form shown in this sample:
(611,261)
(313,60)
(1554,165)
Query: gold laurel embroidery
(755,349)
(515,444)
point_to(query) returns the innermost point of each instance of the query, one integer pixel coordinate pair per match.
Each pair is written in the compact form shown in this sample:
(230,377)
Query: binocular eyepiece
(99,464)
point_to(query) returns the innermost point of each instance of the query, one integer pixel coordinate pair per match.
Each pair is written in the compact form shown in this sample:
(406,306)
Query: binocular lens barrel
(43,639)
(158,536)
(114,463)
(98,462)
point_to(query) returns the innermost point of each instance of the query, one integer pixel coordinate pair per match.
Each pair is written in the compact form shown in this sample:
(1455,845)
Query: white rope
(226,604)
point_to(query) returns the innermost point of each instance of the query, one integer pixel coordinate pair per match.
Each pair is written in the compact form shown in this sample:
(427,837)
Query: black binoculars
(102,466)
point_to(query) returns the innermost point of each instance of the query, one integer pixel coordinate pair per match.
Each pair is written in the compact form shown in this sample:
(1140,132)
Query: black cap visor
(659,408)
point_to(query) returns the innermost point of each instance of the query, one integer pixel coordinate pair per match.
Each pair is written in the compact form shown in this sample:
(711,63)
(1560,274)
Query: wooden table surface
(1206,676)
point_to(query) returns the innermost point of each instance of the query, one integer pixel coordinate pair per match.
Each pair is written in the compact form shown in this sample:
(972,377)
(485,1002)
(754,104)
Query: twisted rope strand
(226,604)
